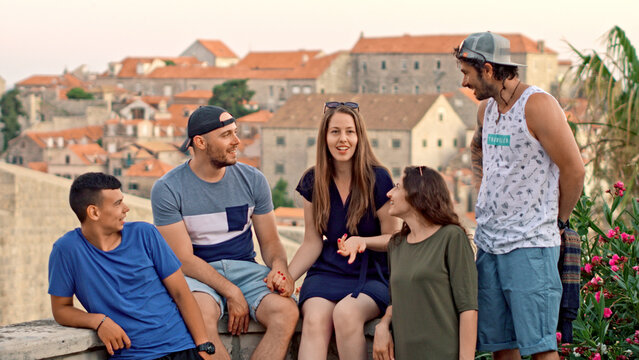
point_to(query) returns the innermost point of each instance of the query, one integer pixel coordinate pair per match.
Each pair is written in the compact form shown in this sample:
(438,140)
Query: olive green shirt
(431,283)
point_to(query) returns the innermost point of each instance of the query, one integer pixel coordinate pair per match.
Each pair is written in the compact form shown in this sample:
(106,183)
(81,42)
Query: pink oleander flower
(614,268)
(636,268)
(596,260)
(596,356)
(598,295)
(619,185)
(611,233)
(596,280)
(628,239)
(607,313)
(629,340)
(588,268)
(558,337)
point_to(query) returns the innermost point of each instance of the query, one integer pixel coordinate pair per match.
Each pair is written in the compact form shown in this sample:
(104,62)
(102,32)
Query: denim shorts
(519,297)
(246,275)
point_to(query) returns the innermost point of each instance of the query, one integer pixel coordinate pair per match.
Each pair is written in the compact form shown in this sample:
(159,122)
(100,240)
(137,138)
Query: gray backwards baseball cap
(204,119)
(487,47)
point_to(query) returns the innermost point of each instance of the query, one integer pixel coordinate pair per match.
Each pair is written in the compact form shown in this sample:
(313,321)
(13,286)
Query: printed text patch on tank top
(498,140)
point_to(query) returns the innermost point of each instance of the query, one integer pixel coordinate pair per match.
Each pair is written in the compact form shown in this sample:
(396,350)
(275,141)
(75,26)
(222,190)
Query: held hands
(350,247)
(238,312)
(280,281)
(112,335)
(383,346)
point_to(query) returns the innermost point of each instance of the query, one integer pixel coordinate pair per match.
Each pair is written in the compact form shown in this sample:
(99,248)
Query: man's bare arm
(547,123)
(273,251)
(476,154)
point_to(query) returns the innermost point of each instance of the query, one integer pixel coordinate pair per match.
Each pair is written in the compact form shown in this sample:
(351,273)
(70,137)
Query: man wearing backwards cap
(532,178)
(205,209)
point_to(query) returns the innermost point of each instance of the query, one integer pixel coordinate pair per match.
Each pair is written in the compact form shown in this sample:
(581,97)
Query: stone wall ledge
(45,339)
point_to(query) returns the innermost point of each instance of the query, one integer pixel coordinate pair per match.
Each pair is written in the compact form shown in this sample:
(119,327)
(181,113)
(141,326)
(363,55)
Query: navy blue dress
(331,277)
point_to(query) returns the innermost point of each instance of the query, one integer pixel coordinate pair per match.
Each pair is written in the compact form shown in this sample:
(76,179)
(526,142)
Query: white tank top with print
(518,201)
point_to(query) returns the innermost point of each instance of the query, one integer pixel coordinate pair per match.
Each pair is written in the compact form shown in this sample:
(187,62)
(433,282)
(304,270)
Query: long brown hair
(427,193)
(362,178)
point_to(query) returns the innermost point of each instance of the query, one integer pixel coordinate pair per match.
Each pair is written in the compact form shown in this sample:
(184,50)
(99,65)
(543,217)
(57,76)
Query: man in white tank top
(530,175)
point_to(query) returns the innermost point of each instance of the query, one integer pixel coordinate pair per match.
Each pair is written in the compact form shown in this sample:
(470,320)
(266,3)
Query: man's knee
(209,308)
(281,312)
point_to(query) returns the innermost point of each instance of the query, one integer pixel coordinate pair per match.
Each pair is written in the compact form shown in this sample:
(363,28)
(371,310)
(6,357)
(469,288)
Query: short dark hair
(85,191)
(500,72)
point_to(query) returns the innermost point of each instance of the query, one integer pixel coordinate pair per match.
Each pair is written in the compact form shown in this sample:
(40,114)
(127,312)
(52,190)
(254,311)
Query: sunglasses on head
(463,53)
(336,104)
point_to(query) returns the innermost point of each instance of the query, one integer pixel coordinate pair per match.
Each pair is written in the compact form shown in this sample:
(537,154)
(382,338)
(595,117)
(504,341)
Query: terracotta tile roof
(66,80)
(93,133)
(261,116)
(89,153)
(435,44)
(149,168)
(178,111)
(194,94)
(129,64)
(288,212)
(564,62)
(38,166)
(380,111)
(156,146)
(314,67)
(469,94)
(152,100)
(277,59)
(217,48)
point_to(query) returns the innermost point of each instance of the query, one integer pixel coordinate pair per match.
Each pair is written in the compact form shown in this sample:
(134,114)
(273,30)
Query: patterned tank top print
(518,200)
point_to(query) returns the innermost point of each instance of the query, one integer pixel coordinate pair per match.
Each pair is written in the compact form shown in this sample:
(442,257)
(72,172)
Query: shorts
(519,297)
(246,275)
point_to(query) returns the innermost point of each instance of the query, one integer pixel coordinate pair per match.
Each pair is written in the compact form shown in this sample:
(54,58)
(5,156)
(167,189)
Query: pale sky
(46,36)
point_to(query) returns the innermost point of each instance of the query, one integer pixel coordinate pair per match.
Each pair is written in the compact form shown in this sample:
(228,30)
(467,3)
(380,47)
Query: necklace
(507,102)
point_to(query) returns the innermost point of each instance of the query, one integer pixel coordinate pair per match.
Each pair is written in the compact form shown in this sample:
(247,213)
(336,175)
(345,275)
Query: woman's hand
(383,346)
(350,247)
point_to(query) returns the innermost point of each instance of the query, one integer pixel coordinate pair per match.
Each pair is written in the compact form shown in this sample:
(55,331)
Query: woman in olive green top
(433,280)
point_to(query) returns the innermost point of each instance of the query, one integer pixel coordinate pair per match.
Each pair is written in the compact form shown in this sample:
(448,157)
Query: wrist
(97,328)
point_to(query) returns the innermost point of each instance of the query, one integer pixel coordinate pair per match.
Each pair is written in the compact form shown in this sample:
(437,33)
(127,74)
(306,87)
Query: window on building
(424,143)
(168,90)
(193,87)
(363,89)
(374,143)
(270,91)
(439,142)
(129,130)
(396,172)
(20,160)
(310,141)
(404,64)
(137,113)
(397,143)
(364,66)
(416,89)
(383,64)
(382,89)
(279,169)
(307,89)
(117,172)
(439,89)
(416,65)
(395,89)
(441,115)
(133,186)
(280,141)
(67,159)
(282,94)
(295,89)
(455,142)
(439,64)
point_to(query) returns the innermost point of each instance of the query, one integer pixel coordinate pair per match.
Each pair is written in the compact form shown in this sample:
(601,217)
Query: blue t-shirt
(126,285)
(217,215)
(329,260)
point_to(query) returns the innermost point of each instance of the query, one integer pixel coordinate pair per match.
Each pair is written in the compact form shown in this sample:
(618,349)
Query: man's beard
(219,158)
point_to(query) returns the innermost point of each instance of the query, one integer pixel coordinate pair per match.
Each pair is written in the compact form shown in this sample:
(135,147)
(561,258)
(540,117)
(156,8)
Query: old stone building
(403,130)
(425,64)
(212,52)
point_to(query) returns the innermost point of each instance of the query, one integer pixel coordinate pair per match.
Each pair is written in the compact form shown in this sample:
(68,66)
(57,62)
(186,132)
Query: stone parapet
(45,339)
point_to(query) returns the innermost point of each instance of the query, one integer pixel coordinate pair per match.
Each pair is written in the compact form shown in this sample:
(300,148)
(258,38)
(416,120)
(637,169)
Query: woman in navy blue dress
(344,196)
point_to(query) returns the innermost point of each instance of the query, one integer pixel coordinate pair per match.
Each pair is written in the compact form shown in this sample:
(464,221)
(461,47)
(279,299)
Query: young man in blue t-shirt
(126,277)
